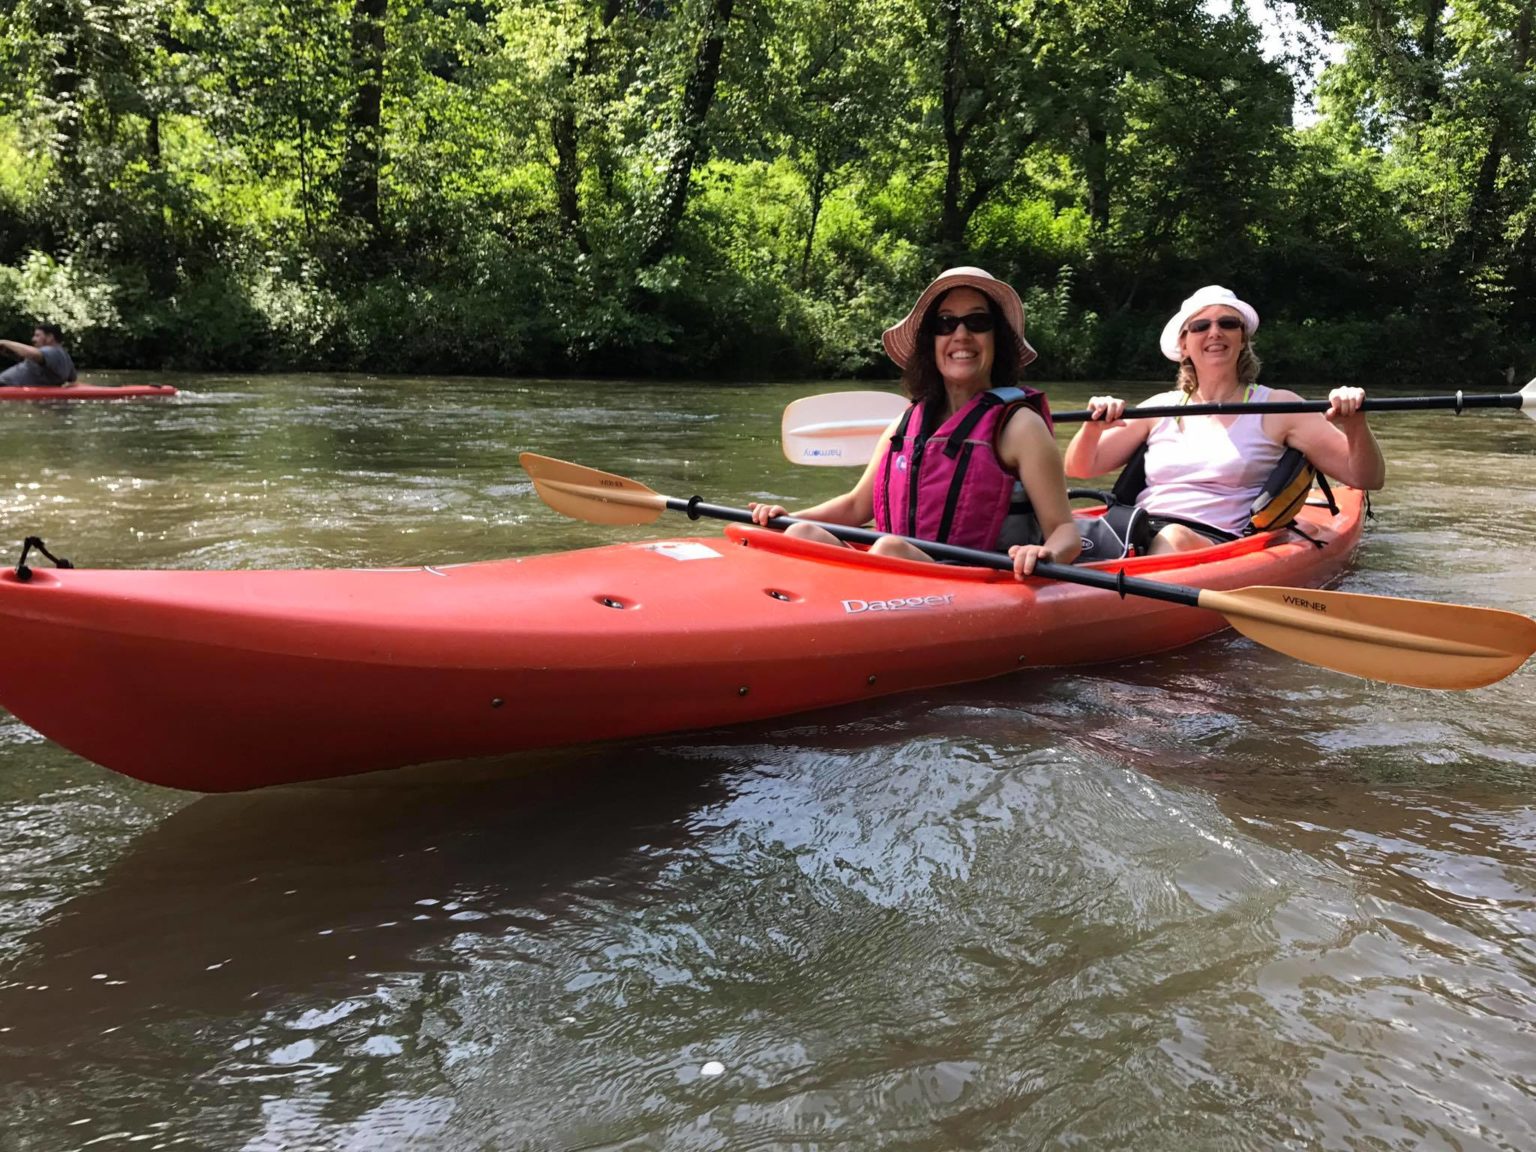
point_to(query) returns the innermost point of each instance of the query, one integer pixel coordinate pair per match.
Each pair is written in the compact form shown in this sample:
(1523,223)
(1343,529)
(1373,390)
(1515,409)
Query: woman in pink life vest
(951,467)
(1203,473)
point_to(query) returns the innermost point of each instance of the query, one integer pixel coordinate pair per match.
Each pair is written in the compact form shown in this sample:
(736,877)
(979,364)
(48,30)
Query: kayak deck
(226,680)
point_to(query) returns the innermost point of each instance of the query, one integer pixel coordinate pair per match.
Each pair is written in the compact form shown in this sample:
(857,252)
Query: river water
(1216,899)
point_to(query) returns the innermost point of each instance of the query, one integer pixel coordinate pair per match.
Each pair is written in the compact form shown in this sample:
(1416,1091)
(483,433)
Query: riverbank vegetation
(755,188)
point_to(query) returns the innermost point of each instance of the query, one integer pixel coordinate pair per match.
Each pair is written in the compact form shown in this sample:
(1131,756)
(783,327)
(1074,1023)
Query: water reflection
(235,903)
(996,916)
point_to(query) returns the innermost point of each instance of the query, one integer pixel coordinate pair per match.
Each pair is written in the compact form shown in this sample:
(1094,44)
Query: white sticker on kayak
(684,550)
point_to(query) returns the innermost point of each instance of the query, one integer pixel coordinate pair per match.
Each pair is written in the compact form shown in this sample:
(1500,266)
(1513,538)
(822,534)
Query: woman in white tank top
(1210,468)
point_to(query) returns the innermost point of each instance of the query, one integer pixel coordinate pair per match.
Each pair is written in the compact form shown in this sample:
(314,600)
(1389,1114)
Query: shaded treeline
(754,188)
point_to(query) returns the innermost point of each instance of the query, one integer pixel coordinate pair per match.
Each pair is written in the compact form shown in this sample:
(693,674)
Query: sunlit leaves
(1108,155)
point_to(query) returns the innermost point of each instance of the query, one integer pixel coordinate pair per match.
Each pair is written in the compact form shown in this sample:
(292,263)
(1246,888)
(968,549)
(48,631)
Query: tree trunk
(952,221)
(568,173)
(63,88)
(567,131)
(698,97)
(365,135)
(1479,235)
(1429,45)
(1096,171)
(818,195)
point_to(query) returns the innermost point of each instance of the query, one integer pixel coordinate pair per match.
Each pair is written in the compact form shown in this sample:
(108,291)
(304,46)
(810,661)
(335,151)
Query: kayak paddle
(1419,643)
(838,429)
(843,428)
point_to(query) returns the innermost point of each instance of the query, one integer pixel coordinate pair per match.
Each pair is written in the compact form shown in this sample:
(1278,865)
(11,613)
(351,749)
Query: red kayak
(216,681)
(88,392)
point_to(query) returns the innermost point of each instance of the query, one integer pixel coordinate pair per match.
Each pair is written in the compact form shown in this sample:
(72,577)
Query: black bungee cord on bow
(23,573)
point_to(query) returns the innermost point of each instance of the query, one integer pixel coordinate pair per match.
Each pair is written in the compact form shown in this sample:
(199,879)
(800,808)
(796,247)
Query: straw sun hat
(901,339)
(1204,298)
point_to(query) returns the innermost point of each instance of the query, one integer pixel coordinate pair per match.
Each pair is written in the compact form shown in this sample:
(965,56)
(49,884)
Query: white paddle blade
(1528,399)
(838,429)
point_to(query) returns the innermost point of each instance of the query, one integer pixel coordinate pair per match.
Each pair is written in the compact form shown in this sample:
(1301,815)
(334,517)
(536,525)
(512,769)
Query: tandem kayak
(89,392)
(218,681)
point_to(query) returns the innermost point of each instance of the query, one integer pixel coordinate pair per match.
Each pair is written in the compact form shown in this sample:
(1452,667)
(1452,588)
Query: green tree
(1445,96)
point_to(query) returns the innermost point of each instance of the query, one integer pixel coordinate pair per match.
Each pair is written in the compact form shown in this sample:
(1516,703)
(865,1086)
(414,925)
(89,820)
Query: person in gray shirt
(41,364)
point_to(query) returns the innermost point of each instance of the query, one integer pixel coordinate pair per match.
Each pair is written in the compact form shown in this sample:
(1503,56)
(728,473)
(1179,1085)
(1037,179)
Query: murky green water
(1218,899)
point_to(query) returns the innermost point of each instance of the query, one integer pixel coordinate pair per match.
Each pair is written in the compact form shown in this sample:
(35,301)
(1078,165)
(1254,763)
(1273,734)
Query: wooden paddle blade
(587,494)
(1419,643)
(837,429)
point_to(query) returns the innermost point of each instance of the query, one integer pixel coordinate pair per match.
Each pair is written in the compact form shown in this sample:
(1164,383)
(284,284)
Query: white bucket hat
(901,339)
(1204,298)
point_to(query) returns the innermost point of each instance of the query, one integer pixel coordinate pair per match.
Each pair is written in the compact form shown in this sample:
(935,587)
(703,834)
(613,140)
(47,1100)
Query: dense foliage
(754,188)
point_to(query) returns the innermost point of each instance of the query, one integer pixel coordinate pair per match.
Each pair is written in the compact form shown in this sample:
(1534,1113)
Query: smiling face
(964,358)
(1216,349)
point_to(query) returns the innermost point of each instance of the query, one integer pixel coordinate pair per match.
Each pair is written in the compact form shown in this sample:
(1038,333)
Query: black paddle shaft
(1117,582)
(1457,403)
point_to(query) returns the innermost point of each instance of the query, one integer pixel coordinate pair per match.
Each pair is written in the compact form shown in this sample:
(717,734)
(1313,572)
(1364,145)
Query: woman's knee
(815,532)
(1176,538)
(896,546)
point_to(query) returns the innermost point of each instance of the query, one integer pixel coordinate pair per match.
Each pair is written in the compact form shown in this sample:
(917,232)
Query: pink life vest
(949,486)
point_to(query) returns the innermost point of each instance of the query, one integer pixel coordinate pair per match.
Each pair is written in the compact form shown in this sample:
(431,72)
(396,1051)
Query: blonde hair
(1248,365)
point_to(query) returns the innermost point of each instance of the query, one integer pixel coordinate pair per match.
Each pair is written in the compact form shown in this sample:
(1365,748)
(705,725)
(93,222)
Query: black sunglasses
(1225,323)
(975,322)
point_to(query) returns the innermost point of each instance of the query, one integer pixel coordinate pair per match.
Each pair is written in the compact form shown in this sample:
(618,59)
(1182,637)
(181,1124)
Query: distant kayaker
(1204,473)
(44,363)
(951,467)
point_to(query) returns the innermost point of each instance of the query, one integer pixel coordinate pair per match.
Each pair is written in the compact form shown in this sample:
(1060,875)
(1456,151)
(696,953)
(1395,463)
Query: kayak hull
(89,392)
(228,680)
